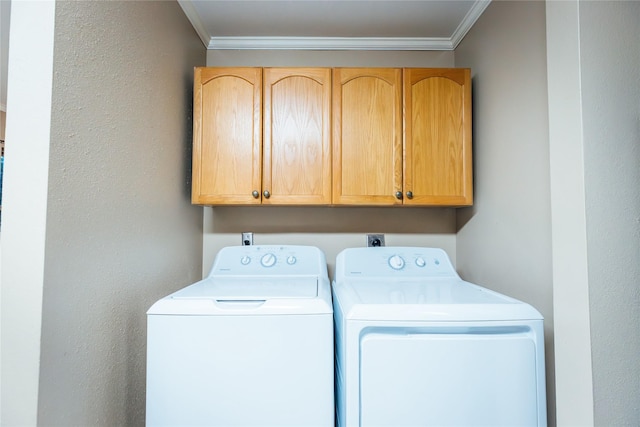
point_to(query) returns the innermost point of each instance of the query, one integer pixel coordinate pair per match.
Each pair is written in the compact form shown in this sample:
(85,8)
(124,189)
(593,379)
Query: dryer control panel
(397,262)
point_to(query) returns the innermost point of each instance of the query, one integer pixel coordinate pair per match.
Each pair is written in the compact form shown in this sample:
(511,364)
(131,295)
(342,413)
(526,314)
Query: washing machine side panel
(240,370)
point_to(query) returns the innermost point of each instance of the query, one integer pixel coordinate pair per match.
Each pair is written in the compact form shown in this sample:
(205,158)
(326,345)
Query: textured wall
(504,240)
(610,59)
(121,232)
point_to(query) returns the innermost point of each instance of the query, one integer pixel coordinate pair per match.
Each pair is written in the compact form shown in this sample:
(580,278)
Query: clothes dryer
(418,346)
(250,345)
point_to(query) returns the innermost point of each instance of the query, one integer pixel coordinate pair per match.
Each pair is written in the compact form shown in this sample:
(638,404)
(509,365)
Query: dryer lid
(425,292)
(432,300)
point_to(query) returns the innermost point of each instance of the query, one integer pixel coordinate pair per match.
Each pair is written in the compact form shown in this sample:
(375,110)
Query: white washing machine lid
(427,299)
(257,296)
(250,288)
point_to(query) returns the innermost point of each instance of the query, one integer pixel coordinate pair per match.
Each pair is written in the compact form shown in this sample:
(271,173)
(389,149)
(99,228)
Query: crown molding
(469,20)
(333,43)
(193,17)
(330,43)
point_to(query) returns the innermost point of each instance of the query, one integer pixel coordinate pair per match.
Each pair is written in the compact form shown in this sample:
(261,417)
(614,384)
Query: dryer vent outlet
(374,240)
(247,238)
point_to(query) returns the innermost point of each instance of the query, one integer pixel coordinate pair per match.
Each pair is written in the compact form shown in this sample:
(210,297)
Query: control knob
(396,262)
(268,260)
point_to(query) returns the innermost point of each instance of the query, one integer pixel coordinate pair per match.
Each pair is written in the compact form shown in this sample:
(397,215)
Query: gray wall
(504,240)
(120,229)
(610,60)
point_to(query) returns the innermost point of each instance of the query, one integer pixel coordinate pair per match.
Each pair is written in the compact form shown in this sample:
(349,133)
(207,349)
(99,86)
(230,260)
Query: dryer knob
(420,262)
(268,260)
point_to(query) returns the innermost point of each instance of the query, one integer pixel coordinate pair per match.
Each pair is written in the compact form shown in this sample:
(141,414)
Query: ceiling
(333,24)
(316,25)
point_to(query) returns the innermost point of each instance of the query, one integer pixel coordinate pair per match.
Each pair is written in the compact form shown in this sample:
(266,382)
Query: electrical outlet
(375,240)
(247,238)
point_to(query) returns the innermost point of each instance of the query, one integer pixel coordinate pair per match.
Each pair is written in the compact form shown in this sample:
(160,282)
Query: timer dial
(396,262)
(268,260)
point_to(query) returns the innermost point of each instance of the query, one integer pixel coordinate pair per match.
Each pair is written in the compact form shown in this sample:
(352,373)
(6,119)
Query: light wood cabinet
(297,136)
(437,137)
(227,136)
(238,161)
(367,136)
(264,136)
(402,137)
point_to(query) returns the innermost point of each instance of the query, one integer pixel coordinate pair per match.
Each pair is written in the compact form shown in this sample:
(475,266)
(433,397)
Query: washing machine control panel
(269,260)
(391,261)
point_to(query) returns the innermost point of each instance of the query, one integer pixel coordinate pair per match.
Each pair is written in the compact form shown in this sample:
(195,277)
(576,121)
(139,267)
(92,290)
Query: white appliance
(250,345)
(418,346)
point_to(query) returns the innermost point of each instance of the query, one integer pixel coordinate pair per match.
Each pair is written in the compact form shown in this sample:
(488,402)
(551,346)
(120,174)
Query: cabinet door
(297,136)
(437,106)
(227,136)
(367,139)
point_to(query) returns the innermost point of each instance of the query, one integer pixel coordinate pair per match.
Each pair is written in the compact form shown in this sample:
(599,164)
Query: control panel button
(268,260)
(396,262)
(420,262)
(291,260)
(245,260)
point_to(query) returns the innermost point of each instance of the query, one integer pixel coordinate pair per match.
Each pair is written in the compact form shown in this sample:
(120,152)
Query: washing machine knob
(245,260)
(268,260)
(396,262)
(291,260)
(420,262)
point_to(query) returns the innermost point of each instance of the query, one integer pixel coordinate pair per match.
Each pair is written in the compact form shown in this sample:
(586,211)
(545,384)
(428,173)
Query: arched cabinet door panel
(227,136)
(297,136)
(367,136)
(437,137)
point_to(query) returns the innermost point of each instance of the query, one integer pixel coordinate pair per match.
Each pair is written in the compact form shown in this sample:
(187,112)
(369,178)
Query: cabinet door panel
(227,135)
(367,136)
(297,141)
(437,129)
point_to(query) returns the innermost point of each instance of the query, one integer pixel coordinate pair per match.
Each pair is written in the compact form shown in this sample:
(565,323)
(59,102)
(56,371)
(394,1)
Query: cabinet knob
(266,194)
(399,195)
(255,194)
(409,195)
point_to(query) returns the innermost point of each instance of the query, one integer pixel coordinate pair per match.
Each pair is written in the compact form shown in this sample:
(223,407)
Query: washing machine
(250,345)
(418,346)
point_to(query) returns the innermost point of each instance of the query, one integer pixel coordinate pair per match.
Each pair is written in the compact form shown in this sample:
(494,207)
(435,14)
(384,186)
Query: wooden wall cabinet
(367,136)
(437,137)
(261,136)
(227,136)
(400,136)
